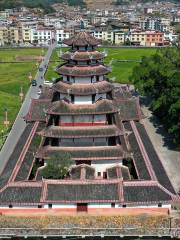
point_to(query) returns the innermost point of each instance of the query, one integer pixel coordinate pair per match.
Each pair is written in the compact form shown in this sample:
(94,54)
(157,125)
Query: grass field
(13,76)
(120,70)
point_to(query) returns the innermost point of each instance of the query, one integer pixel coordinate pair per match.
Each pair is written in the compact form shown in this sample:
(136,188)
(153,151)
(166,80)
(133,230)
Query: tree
(158,77)
(57,166)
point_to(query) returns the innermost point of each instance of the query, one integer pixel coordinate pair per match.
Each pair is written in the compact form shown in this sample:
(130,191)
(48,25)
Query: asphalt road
(19,124)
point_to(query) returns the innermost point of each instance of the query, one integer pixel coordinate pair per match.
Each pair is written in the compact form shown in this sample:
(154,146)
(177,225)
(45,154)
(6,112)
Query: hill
(91,4)
(44,4)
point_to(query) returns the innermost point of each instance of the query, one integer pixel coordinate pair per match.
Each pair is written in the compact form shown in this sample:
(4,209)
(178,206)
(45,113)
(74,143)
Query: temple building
(114,163)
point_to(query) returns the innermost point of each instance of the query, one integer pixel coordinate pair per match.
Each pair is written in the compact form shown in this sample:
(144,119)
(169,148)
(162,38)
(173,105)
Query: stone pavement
(170,157)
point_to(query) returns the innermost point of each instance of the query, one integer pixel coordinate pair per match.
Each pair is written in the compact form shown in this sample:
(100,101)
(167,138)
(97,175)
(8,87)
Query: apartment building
(154,38)
(42,35)
(138,38)
(155,24)
(9,35)
(119,38)
(104,35)
(26,34)
(61,35)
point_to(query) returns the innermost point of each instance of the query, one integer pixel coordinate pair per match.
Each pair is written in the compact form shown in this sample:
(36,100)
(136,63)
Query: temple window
(93,62)
(105,175)
(72,98)
(113,205)
(99,174)
(82,63)
(50,205)
(89,48)
(82,48)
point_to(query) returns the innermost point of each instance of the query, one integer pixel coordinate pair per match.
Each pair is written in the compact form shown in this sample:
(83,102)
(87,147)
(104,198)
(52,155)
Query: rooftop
(84,153)
(81,132)
(64,108)
(83,89)
(85,71)
(82,39)
(82,56)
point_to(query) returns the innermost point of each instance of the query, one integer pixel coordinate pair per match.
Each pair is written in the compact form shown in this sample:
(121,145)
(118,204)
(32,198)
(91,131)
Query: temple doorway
(82,207)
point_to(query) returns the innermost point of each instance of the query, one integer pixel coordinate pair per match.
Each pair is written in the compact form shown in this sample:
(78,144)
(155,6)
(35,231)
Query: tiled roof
(82,192)
(18,194)
(122,92)
(118,171)
(129,108)
(78,71)
(145,194)
(83,56)
(100,107)
(155,161)
(4,177)
(140,165)
(46,92)
(84,153)
(83,89)
(82,39)
(81,132)
(37,110)
(26,165)
(82,171)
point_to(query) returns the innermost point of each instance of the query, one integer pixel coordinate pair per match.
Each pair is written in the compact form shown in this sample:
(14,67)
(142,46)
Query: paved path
(19,124)
(169,157)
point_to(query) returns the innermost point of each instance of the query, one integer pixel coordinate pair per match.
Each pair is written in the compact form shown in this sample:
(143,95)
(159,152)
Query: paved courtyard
(163,144)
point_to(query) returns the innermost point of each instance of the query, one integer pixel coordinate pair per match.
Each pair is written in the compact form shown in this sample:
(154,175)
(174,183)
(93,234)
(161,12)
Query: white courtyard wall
(101,166)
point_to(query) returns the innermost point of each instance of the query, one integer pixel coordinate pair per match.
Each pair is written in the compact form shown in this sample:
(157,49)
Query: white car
(39,92)
(48,83)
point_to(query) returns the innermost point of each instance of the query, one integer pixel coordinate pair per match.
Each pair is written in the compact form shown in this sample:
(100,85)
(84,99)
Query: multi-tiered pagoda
(115,164)
(83,118)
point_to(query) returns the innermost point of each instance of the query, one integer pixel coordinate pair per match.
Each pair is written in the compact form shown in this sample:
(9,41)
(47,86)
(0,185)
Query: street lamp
(30,77)
(21,94)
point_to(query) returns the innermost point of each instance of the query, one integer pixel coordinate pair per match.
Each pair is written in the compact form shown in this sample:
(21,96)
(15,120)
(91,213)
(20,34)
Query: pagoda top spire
(82,39)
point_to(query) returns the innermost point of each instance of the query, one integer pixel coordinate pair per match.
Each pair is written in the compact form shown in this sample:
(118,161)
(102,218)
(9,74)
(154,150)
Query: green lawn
(13,76)
(120,70)
(11,54)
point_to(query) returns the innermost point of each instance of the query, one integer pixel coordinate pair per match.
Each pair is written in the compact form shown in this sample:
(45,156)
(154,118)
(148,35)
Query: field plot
(13,77)
(120,70)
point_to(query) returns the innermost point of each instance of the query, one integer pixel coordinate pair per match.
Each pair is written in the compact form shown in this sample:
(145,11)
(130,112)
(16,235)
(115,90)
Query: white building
(62,34)
(42,35)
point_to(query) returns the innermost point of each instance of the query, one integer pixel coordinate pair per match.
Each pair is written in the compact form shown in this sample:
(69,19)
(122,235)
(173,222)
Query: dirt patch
(28,58)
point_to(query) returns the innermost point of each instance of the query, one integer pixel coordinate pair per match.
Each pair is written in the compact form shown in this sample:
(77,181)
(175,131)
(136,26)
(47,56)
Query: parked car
(34,83)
